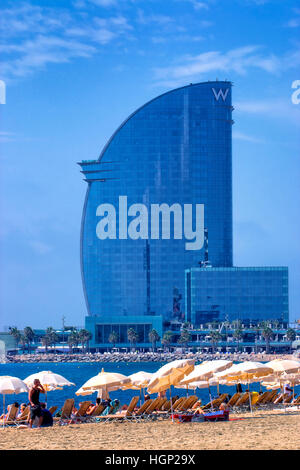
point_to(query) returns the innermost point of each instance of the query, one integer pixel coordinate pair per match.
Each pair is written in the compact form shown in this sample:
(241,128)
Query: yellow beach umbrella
(170,374)
(247,371)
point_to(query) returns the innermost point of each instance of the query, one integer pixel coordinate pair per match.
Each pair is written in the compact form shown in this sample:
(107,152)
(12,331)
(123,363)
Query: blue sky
(74,70)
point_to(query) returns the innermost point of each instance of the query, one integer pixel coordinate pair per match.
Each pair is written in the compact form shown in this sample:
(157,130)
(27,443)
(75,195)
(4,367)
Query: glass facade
(176,149)
(248,293)
(102,329)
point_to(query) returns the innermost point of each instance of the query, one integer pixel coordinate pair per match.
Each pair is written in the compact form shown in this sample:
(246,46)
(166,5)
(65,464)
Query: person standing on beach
(34,400)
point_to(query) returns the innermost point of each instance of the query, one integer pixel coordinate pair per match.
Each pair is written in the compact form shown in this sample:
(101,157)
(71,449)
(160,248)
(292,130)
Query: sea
(80,372)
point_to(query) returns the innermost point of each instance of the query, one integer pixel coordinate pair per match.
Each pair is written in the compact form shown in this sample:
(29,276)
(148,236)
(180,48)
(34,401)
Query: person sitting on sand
(224,406)
(47,418)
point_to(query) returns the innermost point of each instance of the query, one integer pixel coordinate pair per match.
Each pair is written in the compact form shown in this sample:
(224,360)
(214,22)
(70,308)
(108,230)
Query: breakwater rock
(140,357)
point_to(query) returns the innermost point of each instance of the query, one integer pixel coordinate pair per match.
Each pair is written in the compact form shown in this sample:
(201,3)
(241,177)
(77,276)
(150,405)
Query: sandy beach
(262,430)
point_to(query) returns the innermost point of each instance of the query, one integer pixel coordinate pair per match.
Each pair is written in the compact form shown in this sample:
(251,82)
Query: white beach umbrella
(10,385)
(49,380)
(284,366)
(105,381)
(139,380)
(205,372)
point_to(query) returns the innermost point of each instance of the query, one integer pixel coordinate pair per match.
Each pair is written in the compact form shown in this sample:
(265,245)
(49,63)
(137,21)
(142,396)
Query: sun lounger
(66,411)
(214,404)
(166,406)
(52,409)
(24,417)
(193,400)
(81,415)
(11,416)
(124,415)
(268,400)
(261,399)
(242,402)
(296,401)
(280,399)
(234,399)
(177,403)
(97,411)
(141,412)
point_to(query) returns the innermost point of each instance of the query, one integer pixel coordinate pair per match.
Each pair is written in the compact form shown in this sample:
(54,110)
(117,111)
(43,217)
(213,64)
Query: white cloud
(40,248)
(276,108)
(236,135)
(239,60)
(37,36)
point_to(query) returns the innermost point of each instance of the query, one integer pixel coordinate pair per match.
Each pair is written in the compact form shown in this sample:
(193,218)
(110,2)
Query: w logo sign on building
(221,92)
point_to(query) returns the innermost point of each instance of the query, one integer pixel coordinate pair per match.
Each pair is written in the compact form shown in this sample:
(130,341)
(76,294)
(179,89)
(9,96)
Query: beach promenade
(276,430)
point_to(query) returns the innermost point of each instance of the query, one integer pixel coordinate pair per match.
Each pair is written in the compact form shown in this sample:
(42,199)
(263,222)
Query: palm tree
(184,338)
(29,336)
(113,338)
(46,341)
(73,340)
(215,338)
(13,330)
(267,334)
(52,336)
(85,336)
(238,335)
(23,342)
(153,338)
(167,338)
(291,336)
(132,336)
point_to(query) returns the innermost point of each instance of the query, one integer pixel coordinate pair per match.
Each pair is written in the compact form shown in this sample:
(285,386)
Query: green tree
(73,340)
(267,334)
(13,330)
(46,341)
(23,342)
(52,336)
(215,337)
(29,336)
(167,338)
(153,338)
(132,336)
(291,336)
(184,338)
(238,336)
(113,338)
(85,336)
